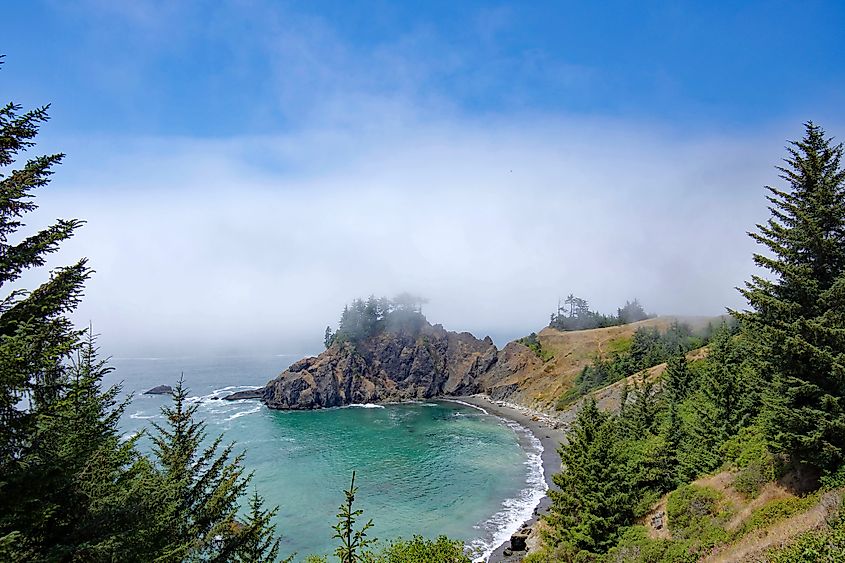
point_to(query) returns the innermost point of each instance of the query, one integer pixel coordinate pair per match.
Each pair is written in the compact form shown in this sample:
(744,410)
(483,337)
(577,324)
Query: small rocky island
(159,390)
(386,350)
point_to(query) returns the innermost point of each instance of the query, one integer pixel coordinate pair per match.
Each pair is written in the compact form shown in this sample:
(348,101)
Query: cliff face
(394,365)
(427,361)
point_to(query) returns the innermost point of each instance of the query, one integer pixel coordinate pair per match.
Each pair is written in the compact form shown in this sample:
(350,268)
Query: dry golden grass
(540,383)
(753,546)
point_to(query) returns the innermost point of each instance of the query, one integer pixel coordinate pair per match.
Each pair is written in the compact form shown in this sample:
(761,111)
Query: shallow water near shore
(423,468)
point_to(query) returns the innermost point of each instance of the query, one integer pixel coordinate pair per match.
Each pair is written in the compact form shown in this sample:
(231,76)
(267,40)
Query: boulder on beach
(160,390)
(518,541)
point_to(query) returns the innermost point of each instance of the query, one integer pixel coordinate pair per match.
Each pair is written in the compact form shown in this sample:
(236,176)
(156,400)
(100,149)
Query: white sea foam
(217,395)
(366,406)
(482,409)
(244,413)
(140,416)
(517,510)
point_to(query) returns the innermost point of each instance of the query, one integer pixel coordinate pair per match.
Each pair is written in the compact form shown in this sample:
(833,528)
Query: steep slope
(394,365)
(424,361)
(521,376)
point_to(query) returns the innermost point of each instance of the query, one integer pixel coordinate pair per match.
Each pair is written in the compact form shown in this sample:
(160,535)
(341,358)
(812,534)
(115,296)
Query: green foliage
(648,347)
(798,314)
(748,451)
(691,510)
(593,501)
(353,543)
(776,386)
(533,343)
(69,487)
(619,346)
(363,319)
(422,550)
(200,490)
(636,547)
(678,378)
(580,317)
(818,546)
(777,510)
(259,543)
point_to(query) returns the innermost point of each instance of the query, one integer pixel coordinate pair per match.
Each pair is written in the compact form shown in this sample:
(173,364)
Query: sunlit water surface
(424,468)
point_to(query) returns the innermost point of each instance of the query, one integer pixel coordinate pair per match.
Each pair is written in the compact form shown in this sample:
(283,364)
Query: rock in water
(248,394)
(160,390)
(406,363)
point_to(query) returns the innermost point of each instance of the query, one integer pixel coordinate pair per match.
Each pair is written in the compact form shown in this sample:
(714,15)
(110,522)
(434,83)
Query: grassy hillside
(684,489)
(540,374)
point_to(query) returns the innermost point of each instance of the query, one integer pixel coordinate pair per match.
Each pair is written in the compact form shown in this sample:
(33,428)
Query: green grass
(619,346)
(533,343)
(775,511)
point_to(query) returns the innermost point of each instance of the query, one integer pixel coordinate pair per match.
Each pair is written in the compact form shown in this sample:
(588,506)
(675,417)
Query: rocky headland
(402,364)
(418,360)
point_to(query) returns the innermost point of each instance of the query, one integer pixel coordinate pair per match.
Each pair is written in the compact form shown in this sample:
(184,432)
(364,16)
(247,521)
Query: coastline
(549,437)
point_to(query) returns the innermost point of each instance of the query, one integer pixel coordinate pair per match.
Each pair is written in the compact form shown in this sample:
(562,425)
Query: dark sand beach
(549,437)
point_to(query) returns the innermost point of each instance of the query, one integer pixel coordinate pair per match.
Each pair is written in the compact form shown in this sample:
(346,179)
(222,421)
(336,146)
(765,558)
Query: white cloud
(256,243)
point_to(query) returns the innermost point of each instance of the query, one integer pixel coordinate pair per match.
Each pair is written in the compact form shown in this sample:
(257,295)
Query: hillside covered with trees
(575,314)
(766,406)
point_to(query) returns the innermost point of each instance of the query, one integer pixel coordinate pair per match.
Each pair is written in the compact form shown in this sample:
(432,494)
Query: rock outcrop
(159,390)
(247,394)
(393,365)
(422,361)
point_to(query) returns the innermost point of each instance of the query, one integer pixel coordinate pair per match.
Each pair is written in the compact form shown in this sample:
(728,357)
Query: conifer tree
(64,475)
(796,318)
(593,501)
(677,379)
(353,543)
(259,543)
(200,492)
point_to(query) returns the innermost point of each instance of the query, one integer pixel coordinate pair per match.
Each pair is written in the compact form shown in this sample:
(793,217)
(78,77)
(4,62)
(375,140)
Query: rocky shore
(551,433)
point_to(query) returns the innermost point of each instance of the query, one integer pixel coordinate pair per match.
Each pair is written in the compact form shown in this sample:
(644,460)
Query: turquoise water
(426,468)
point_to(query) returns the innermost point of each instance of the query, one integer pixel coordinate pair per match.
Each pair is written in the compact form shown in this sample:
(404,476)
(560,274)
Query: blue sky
(220,68)
(256,165)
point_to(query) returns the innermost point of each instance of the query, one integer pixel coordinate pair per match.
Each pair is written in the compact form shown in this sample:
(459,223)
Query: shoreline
(550,438)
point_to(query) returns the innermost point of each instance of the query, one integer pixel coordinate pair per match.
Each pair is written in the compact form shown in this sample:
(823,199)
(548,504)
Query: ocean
(425,468)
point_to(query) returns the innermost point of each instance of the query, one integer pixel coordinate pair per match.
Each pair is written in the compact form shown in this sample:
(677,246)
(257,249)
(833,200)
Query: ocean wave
(366,406)
(244,413)
(140,416)
(482,409)
(516,510)
(217,394)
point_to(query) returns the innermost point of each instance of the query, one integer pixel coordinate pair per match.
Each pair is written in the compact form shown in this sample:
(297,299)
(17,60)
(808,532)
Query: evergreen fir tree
(796,320)
(353,543)
(65,478)
(677,380)
(201,488)
(258,541)
(593,502)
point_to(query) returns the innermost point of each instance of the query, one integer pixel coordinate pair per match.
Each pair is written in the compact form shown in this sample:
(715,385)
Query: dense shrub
(691,510)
